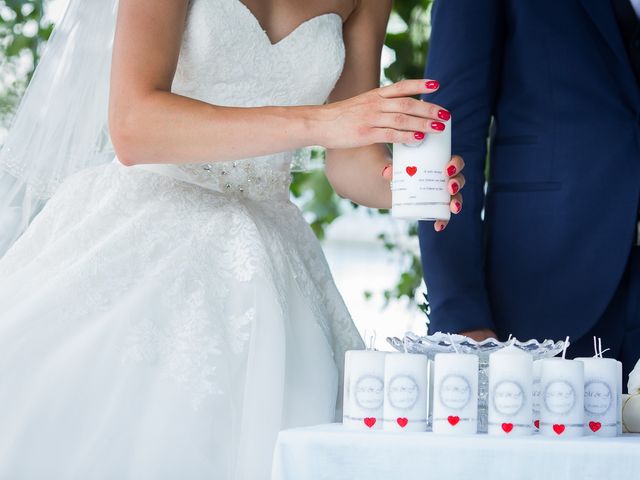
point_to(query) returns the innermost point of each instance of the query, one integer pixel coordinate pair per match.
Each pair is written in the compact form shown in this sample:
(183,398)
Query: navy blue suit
(560,213)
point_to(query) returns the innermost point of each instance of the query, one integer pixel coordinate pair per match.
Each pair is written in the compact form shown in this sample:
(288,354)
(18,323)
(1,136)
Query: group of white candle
(559,397)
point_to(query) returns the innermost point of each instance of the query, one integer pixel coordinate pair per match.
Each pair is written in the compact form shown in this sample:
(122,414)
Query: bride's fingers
(456,204)
(454,167)
(399,121)
(456,184)
(440,225)
(391,135)
(417,108)
(387,172)
(408,88)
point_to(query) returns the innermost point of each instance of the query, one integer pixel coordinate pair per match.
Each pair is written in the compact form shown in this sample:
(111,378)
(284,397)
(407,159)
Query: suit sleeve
(465,52)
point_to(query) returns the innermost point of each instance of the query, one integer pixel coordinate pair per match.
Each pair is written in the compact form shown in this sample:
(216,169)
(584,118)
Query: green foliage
(23,31)
(23,27)
(410,45)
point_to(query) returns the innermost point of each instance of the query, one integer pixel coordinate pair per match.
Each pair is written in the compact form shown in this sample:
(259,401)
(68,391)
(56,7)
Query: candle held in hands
(419,188)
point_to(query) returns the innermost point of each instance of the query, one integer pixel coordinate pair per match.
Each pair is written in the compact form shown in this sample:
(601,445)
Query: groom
(555,252)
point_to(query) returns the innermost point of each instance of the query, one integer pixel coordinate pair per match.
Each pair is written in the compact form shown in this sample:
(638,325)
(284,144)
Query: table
(331,452)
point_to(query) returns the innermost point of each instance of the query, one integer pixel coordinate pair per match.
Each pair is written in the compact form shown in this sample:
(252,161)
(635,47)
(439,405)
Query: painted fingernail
(431,84)
(439,126)
(418,135)
(452,170)
(384,170)
(455,187)
(444,115)
(458,206)
(441,227)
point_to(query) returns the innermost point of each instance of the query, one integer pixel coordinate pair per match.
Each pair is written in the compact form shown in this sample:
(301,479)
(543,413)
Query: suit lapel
(602,15)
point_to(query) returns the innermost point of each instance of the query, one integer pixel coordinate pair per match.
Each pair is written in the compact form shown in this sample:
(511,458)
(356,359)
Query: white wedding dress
(166,321)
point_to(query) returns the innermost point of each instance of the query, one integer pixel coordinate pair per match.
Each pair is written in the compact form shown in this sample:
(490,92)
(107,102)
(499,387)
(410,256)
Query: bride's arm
(149,124)
(361,174)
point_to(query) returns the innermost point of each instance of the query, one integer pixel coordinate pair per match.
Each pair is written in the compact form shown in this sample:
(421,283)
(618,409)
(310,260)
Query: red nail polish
(458,207)
(439,126)
(444,115)
(454,188)
(431,84)
(452,170)
(441,227)
(418,135)
(385,169)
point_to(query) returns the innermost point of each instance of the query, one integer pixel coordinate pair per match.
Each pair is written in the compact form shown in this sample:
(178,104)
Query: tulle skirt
(154,329)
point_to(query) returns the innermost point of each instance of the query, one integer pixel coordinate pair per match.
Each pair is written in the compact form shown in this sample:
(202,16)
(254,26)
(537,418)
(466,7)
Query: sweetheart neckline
(292,33)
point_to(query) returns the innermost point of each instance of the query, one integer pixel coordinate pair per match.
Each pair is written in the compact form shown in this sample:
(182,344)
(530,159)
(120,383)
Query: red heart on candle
(370,421)
(558,428)
(537,424)
(507,427)
(595,426)
(402,421)
(412,171)
(453,420)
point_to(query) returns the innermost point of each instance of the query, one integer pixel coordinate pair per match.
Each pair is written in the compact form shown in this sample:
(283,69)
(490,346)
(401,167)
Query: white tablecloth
(331,452)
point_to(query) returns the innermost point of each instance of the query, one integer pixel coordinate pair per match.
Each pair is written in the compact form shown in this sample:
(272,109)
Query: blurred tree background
(24,29)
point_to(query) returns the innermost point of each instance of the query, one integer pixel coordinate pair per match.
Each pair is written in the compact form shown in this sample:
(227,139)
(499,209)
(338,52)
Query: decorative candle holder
(444,343)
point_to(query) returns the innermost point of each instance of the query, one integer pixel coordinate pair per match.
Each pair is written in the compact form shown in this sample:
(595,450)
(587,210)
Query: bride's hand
(455,184)
(384,115)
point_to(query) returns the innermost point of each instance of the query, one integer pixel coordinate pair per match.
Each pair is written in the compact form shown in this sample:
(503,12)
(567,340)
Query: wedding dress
(166,321)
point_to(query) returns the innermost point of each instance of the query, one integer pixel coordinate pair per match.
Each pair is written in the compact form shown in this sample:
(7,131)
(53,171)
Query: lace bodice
(227,59)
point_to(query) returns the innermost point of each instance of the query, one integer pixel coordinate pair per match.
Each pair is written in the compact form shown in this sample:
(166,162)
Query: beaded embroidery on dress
(166,321)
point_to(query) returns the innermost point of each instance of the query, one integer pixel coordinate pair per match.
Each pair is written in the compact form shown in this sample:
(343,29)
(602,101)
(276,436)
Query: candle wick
(564,350)
(453,344)
(600,346)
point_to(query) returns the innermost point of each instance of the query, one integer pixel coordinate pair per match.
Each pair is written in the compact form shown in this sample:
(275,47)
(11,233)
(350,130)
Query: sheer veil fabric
(164,321)
(60,127)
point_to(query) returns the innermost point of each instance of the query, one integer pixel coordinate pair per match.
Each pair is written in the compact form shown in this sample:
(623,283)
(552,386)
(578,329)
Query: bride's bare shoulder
(373,8)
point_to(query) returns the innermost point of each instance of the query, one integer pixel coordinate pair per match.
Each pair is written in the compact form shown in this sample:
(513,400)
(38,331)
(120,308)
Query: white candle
(364,389)
(536,394)
(406,392)
(419,189)
(455,393)
(562,403)
(600,396)
(510,392)
(619,394)
(430,405)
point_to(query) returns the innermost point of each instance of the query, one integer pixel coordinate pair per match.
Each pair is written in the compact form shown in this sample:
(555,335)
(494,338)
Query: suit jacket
(562,201)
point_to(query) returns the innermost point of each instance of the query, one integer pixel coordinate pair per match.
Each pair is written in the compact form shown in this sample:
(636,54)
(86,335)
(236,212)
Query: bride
(168,310)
